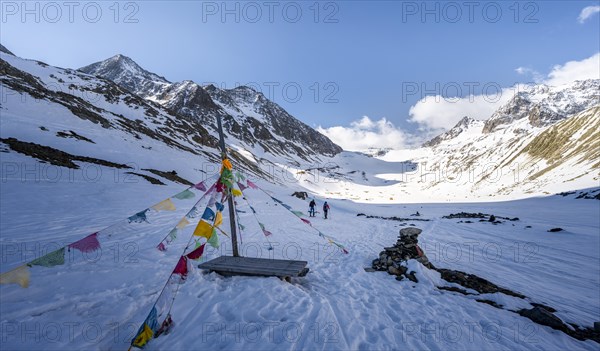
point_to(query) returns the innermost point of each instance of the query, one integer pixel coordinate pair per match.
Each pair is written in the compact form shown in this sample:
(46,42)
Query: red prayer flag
(88,244)
(306,221)
(161,247)
(200,186)
(220,186)
(252,185)
(196,254)
(181,268)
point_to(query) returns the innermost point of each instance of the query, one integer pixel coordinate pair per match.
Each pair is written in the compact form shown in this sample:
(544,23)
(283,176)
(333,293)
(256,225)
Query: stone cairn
(406,248)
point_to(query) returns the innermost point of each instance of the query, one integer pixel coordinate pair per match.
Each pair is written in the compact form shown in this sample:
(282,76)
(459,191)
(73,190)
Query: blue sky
(348,59)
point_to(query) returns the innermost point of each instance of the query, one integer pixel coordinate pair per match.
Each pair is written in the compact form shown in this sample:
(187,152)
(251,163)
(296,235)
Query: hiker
(311,206)
(325,209)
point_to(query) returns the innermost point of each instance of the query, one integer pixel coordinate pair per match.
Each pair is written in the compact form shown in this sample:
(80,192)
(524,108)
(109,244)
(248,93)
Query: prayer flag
(19,275)
(88,244)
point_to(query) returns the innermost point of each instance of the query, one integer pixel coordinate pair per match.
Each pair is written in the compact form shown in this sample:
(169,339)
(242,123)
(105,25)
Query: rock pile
(406,248)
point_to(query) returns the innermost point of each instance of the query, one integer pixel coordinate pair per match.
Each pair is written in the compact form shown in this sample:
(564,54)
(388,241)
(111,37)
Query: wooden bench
(250,266)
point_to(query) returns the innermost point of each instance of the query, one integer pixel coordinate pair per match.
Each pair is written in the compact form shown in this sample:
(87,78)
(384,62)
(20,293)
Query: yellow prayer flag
(218,219)
(183,223)
(236,192)
(166,205)
(19,275)
(203,229)
(143,337)
(227,164)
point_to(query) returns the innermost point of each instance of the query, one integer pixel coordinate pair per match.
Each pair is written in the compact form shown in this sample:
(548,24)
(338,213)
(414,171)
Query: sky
(365,73)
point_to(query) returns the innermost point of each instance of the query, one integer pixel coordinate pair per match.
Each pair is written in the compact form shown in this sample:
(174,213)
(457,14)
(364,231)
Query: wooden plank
(284,270)
(228,265)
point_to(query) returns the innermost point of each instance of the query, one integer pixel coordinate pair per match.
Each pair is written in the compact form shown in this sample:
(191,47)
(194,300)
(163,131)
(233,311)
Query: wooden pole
(230,201)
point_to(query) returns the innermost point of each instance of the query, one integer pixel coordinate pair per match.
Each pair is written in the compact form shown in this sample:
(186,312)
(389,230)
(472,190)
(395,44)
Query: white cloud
(575,70)
(366,133)
(588,12)
(438,113)
(526,71)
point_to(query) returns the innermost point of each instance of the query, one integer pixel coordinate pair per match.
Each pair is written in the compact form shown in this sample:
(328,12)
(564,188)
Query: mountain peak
(465,124)
(127,73)
(544,105)
(5,50)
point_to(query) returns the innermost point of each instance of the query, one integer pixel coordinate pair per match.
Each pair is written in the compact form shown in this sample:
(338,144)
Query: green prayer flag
(184,195)
(214,240)
(52,259)
(173,234)
(298,213)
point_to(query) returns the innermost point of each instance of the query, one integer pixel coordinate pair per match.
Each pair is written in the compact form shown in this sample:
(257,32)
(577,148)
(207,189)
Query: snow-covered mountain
(544,105)
(249,117)
(541,141)
(128,74)
(465,126)
(160,126)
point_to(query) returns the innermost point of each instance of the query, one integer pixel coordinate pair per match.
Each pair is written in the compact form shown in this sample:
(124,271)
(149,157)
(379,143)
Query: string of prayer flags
(331,241)
(300,214)
(185,195)
(147,330)
(197,253)
(200,186)
(192,214)
(19,275)
(139,217)
(55,258)
(88,244)
(209,214)
(165,205)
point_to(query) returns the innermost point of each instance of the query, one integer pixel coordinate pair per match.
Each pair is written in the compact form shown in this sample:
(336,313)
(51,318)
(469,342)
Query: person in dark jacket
(311,208)
(325,209)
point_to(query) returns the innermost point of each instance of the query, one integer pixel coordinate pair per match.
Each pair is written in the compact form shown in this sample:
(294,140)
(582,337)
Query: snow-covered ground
(99,300)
